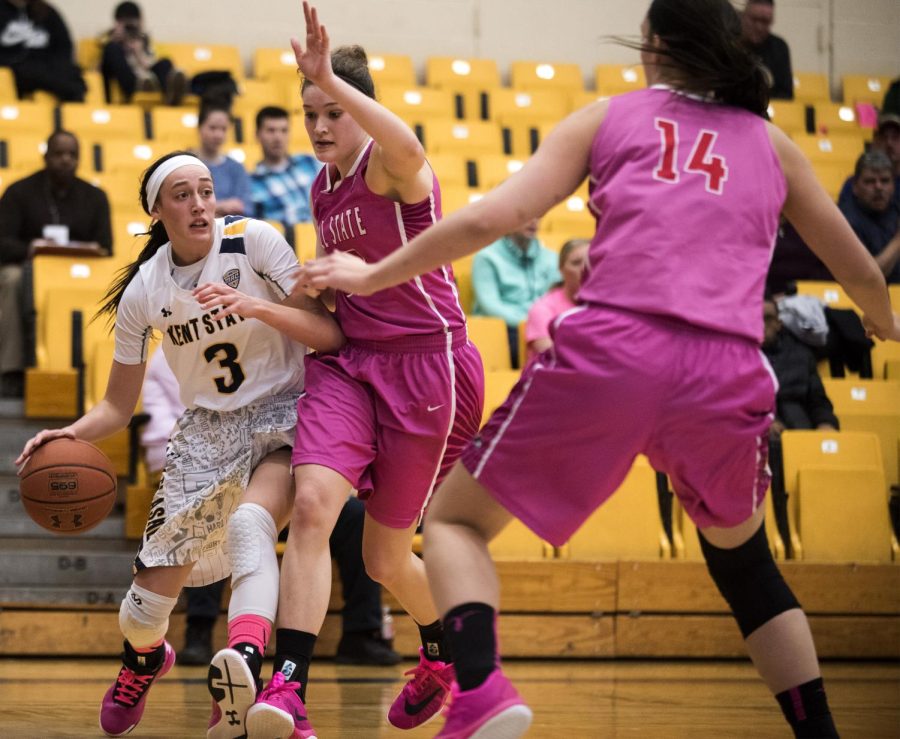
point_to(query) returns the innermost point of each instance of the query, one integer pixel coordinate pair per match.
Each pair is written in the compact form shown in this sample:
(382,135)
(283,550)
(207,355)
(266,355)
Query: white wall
(864,34)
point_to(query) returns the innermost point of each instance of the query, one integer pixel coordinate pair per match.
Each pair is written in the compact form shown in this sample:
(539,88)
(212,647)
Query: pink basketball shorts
(617,384)
(392,417)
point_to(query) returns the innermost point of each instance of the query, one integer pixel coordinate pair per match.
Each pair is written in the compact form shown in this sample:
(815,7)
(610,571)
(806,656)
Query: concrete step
(69,562)
(14,432)
(32,596)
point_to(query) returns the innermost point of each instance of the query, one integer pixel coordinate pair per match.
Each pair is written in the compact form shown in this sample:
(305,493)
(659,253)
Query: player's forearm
(315,330)
(102,421)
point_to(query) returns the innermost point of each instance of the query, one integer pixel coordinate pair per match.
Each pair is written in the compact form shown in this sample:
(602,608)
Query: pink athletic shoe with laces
(279,713)
(123,704)
(424,695)
(494,709)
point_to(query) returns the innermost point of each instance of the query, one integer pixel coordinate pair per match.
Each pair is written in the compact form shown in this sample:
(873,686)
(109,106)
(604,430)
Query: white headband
(164,170)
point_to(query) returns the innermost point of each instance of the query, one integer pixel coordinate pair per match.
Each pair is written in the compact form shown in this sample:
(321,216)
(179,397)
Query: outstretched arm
(551,175)
(397,165)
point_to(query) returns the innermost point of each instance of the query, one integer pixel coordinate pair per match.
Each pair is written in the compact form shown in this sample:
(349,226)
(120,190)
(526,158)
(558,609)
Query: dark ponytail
(157,238)
(705,52)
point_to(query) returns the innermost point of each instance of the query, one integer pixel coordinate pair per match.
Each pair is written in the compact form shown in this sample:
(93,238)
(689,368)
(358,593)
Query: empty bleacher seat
(497,386)
(811,87)
(886,360)
(392,69)
(490,336)
(873,406)
(865,88)
(686,541)
(832,118)
(830,293)
(462,273)
(532,75)
(470,81)
(843,148)
(275,64)
(416,104)
(471,138)
(628,525)
(197,58)
(30,118)
(450,169)
(572,217)
(8,93)
(837,501)
(788,115)
(521,113)
(615,79)
(103,122)
(517,541)
(305,241)
(492,169)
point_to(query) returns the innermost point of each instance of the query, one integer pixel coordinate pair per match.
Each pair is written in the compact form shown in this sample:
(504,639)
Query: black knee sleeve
(749,580)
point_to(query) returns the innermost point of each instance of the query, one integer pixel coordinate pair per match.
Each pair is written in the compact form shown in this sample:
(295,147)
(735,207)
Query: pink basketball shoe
(424,695)
(123,704)
(493,709)
(279,713)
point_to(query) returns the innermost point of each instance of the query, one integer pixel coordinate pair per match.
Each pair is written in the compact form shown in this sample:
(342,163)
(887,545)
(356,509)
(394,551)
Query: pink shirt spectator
(542,313)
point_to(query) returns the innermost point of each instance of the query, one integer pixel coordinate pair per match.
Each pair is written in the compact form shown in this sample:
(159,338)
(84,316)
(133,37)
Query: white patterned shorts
(209,460)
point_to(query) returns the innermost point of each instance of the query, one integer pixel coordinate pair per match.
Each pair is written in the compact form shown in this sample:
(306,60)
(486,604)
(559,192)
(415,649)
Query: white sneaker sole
(509,724)
(267,722)
(232,685)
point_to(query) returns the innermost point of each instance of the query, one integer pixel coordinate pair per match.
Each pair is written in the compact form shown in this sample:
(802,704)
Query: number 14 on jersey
(700,161)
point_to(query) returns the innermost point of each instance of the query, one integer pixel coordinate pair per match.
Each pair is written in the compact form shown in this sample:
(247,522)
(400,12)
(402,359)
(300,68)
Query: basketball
(68,486)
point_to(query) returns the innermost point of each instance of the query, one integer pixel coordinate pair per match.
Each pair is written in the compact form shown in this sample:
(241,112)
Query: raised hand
(228,300)
(315,61)
(341,271)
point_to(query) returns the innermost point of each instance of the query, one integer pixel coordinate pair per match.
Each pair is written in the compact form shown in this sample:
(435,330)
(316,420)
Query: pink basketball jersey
(687,195)
(352,218)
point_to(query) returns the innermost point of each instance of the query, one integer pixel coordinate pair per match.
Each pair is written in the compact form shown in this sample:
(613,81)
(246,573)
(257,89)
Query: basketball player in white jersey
(226,488)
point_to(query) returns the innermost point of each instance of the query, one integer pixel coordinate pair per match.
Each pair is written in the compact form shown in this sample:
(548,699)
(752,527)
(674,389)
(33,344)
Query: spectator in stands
(361,641)
(509,275)
(560,298)
(873,212)
(36,45)
(280,183)
(800,403)
(130,61)
(50,205)
(891,104)
(772,50)
(886,139)
(230,179)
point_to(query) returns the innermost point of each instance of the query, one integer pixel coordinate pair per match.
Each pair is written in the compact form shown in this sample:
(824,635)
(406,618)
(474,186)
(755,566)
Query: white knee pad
(144,616)
(254,566)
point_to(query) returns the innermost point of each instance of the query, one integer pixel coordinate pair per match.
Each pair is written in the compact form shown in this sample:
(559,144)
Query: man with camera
(129,60)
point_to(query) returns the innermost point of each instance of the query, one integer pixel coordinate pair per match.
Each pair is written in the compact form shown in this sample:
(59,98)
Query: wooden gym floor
(42,698)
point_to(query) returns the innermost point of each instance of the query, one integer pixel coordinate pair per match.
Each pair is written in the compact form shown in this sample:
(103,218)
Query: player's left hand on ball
(338,270)
(228,300)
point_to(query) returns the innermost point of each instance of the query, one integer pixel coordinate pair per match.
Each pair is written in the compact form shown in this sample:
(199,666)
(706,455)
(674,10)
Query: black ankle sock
(470,633)
(806,710)
(434,645)
(252,656)
(143,662)
(293,653)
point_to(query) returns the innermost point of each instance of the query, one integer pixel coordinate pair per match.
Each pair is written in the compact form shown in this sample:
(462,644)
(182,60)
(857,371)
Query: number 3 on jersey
(227,355)
(701,159)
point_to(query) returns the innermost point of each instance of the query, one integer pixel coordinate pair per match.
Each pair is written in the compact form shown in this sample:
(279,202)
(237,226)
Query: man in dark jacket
(772,50)
(52,204)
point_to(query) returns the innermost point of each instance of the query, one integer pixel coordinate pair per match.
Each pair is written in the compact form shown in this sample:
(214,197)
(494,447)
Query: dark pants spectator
(62,79)
(115,67)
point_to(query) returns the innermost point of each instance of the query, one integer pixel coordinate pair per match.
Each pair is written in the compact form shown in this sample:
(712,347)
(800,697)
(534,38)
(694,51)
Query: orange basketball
(68,486)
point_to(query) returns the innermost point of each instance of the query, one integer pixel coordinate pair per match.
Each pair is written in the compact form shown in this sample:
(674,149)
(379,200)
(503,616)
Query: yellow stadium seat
(865,88)
(614,79)
(788,115)
(305,241)
(75,273)
(54,330)
(25,153)
(837,506)
(471,81)
(471,138)
(256,94)
(832,177)
(121,188)
(497,386)
(8,93)
(490,336)
(130,156)
(811,87)
(530,75)
(392,69)
(517,541)
(884,353)
(32,119)
(492,169)
(95,94)
(894,292)
(873,406)
(88,52)
(451,169)
(833,118)
(197,58)
(275,63)
(830,293)
(103,122)
(416,104)
(128,229)
(462,273)
(627,525)
(522,113)
(572,217)
(454,198)
(841,149)
(175,128)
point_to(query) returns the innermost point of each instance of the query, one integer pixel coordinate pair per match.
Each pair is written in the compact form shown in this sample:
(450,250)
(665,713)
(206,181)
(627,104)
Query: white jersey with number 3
(221,363)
